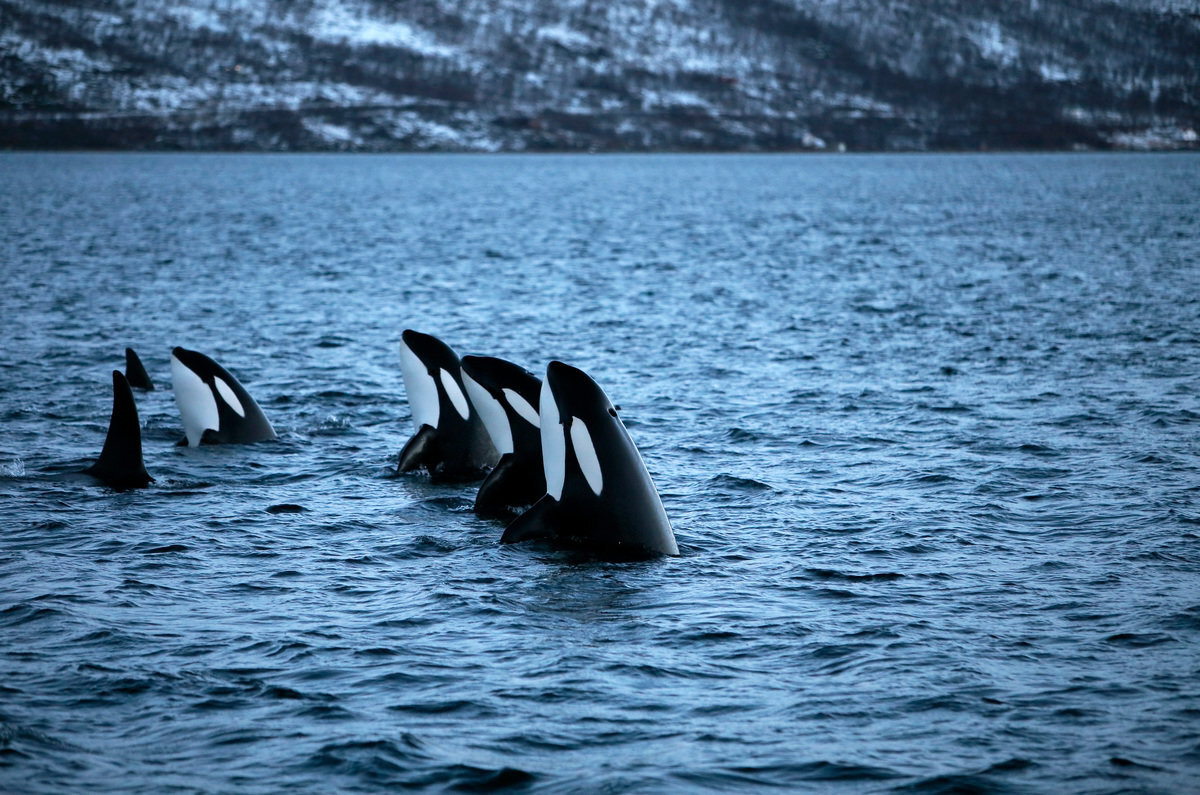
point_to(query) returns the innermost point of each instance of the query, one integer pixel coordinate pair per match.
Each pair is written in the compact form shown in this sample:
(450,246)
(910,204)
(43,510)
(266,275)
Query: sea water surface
(927,428)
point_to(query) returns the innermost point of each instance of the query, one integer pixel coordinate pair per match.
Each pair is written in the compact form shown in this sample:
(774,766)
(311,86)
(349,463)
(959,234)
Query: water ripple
(924,428)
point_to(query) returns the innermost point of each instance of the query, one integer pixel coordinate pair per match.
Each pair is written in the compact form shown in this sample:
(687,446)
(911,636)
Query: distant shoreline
(599,153)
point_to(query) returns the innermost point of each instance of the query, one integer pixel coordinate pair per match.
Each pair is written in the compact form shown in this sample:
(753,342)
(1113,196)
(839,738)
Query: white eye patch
(554,444)
(197,406)
(585,454)
(457,398)
(522,407)
(228,395)
(495,419)
(421,389)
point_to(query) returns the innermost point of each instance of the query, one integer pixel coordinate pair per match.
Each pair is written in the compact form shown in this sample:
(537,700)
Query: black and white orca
(451,442)
(215,408)
(135,373)
(120,464)
(599,495)
(505,395)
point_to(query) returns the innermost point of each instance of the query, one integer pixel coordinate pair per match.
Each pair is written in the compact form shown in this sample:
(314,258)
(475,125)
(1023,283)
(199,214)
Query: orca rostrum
(599,495)
(451,442)
(505,395)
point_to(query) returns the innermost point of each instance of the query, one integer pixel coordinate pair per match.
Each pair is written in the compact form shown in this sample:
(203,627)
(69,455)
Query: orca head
(573,407)
(452,441)
(432,379)
(506,396)
(192,381)
(603,495)
(206,392)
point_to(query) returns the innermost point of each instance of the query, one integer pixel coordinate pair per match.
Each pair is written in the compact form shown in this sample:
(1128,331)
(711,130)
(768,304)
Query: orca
(120,463)
(135,373)
(505,396)
(599,495)
(451,441)
(215,408)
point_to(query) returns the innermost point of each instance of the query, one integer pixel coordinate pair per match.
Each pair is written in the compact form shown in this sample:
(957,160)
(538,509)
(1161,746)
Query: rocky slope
(600,74)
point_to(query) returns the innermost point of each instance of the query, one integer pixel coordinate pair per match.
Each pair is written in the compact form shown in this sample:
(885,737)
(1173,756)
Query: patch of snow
(428,133)
(336,21)
(170,94)
(739,129)
(994,45)
(571,40)
(62,62)
(863,105)
(578,104)
(673,99)
(1156,138)
(663,38)
(1091,116)
(197,18)
(704,63)
(464,131)
(173,94)
(686,99)
(1053,73)
(334,133)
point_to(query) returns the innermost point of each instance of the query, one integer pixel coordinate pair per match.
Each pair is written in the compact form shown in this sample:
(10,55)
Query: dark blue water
(928,429)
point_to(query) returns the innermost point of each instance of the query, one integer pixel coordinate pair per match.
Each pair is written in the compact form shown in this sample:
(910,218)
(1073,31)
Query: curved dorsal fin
(120,464)
(135,373)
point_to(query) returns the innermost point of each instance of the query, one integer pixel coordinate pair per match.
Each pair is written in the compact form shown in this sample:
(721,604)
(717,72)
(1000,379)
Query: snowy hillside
(593,74)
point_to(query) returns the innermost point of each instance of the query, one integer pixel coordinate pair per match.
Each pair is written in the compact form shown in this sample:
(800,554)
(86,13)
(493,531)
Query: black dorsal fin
(135,373)
(120,464)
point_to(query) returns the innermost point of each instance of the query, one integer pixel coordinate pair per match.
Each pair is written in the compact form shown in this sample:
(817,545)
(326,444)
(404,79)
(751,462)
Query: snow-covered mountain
(600,74)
